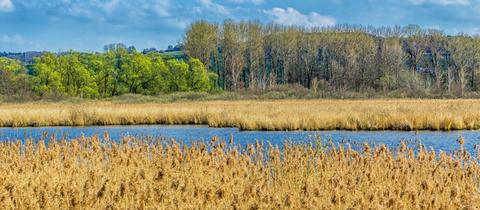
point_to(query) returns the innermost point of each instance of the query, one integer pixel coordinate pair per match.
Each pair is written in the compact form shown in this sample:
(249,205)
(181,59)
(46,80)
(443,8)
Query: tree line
(252,55)
(115,72)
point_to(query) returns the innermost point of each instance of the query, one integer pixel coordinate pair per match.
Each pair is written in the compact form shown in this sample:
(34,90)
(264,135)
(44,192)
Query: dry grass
(151,174)
(257,115)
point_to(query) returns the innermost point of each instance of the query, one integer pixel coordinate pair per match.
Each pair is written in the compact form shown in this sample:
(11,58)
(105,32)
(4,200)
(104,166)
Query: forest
(250,56)
(409,61)
(115,72)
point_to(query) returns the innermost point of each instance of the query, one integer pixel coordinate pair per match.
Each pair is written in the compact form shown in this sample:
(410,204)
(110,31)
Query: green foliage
(76,78)
(103,71)
(47,81)
(137,72)
(159,76)
(251,56)
(115,72)
(178,75)
(200,79)
(14,82)
(10,66)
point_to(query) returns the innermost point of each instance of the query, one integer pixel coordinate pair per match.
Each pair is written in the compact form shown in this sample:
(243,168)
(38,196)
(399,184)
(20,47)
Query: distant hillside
(24,57)
(172,52)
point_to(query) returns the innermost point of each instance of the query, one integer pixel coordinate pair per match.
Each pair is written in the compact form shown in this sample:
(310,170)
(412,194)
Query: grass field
(89,173)
(256,114)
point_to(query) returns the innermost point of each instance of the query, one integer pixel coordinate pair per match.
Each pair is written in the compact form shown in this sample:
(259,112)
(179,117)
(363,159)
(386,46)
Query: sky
(88,25)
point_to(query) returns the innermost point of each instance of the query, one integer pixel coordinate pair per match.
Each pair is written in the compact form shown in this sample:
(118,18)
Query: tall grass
(256,115)
(89,173)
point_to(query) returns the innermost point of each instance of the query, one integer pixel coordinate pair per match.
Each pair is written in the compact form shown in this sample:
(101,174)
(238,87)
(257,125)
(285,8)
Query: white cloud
(247,1)
(6,6)
(102,9)
(214,7)
(140,7)
(15,39)
(110,6)
(161,7)
(441,2)
(178,23)
(291,16)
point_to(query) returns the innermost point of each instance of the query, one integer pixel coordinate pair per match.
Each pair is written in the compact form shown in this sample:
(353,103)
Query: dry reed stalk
(89,173)
(257,115)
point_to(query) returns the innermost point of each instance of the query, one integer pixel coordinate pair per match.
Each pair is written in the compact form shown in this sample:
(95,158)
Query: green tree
(102,68)
(8,65)
(76,78)
(137,72)
(47,79)
(200,79)
(178,75)
(116,55)
(14,82)
(159,76)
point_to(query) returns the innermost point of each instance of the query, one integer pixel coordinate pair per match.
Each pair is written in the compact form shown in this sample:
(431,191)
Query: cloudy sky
(87,25)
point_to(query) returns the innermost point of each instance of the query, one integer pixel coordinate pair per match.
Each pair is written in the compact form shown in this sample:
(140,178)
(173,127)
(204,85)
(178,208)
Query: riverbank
(269,115)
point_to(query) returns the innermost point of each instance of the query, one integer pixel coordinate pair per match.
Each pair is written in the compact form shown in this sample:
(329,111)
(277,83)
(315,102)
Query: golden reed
(89,173)
(257,115)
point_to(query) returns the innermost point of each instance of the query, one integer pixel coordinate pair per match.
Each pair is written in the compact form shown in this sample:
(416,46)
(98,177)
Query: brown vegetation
(257,115)
(89,173)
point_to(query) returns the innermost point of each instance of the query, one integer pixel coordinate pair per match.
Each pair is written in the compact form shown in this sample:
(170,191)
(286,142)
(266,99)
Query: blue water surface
(444,141)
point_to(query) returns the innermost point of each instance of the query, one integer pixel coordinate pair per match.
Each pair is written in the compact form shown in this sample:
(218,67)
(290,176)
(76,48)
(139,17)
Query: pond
(445,141)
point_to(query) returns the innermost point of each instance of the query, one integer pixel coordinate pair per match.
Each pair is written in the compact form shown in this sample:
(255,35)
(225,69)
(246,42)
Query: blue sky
(87,25)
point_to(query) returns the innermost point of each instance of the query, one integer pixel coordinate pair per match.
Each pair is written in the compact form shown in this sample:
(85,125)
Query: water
(445,141)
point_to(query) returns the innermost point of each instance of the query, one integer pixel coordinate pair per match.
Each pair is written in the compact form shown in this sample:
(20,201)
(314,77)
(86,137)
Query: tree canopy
(243,55)
(249,54)
(94,75)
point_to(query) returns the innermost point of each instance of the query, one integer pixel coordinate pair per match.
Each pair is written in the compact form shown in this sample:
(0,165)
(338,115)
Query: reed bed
(256,115)
(89,173)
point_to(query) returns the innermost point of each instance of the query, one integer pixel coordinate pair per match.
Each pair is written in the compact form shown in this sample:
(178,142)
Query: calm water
(445,141)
